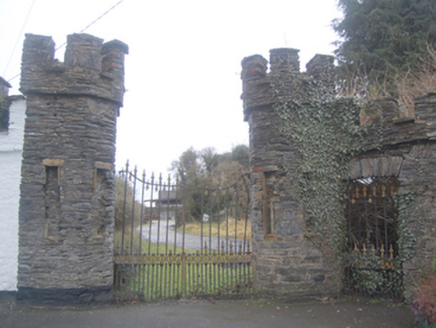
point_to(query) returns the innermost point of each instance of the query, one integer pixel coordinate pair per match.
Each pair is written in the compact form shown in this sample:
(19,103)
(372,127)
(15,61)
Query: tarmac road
(166,231)
(344,313)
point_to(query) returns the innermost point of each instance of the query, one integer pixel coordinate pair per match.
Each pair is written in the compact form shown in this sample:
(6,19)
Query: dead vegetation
(404,86)
(226,227)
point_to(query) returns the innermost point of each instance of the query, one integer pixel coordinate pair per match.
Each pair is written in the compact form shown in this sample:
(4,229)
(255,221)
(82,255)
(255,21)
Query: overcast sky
(183,70)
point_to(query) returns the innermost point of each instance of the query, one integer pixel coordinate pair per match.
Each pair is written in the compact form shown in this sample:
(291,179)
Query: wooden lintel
(94,180)
(270,168)
(103,166)
(53,162)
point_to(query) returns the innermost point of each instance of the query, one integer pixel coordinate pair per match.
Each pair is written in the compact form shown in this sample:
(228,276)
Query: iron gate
(374,268)
(171,242)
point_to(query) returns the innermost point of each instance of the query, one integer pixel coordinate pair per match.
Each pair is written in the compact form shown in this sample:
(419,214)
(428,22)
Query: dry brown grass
(195,228)
(404,87)
(415,84)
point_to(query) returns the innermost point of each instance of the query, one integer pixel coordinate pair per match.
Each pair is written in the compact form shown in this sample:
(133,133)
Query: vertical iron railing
(371,217)
(163,250)
(372,238)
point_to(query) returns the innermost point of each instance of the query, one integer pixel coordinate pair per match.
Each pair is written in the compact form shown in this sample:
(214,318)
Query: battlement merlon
(321,68)
(256,90)
(262,88)
(91,67)
(284,61)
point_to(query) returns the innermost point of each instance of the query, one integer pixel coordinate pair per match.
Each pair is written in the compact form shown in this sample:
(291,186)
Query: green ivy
(327,134)
(374,275)
(406,239)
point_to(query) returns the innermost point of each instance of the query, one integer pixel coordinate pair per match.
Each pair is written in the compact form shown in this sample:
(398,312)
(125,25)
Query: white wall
(11,145)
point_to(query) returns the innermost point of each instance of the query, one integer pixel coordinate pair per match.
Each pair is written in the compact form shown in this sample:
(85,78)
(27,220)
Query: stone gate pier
(66,216)
(286,265)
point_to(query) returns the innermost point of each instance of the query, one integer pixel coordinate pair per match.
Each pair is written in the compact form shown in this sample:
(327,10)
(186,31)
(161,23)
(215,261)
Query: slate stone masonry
(405,148)
(286,265)
(66,216)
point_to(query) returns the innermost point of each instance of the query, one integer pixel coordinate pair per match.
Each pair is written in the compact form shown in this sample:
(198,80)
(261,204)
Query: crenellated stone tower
(286,264)
(66,217)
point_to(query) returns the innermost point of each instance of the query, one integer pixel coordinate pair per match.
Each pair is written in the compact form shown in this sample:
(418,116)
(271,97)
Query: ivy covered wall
(292,260)
(405,147)
(305,145)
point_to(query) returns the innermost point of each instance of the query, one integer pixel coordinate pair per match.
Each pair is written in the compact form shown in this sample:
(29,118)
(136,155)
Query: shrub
(424,305)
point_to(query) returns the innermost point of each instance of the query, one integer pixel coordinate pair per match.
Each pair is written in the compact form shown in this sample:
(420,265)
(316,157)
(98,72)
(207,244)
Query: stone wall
(405,148)
(286,264)
(66,214)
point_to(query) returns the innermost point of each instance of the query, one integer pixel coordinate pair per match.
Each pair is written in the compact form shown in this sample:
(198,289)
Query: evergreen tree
(241,154)
(384,39)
